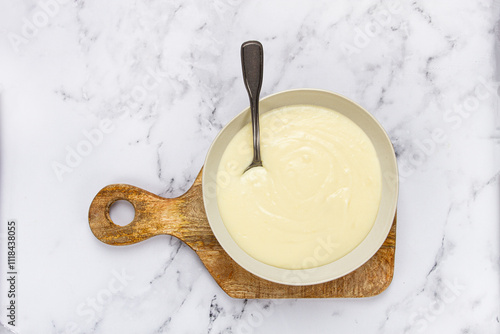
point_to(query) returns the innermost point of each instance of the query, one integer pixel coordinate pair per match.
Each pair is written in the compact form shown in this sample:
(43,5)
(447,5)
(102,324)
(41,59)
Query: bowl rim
(315,275)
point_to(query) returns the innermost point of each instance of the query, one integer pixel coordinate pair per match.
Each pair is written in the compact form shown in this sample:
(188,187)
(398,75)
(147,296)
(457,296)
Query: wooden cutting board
(184,217)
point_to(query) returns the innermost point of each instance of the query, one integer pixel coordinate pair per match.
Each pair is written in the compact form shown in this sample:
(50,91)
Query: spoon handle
(252,63)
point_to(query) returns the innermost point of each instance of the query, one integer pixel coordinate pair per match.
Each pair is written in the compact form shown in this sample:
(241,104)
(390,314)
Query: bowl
(387,209)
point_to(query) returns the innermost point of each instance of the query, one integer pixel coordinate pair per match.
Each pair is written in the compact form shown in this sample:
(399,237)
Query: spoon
(252,60)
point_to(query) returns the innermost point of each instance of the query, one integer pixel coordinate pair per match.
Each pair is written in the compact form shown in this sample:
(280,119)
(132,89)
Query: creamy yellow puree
(315,199)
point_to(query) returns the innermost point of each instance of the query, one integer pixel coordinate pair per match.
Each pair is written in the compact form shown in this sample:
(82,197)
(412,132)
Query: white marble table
(100,92)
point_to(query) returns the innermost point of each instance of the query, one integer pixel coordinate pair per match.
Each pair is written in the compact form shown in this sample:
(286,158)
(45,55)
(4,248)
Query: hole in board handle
(122,212)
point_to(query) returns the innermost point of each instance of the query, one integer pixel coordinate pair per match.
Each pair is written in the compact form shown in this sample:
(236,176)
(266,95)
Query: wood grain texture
(184,217)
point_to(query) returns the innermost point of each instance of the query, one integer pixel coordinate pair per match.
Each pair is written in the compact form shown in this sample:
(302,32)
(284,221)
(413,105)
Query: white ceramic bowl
(377,235)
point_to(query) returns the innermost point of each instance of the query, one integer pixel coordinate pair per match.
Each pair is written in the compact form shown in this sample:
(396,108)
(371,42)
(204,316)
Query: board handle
(154,215)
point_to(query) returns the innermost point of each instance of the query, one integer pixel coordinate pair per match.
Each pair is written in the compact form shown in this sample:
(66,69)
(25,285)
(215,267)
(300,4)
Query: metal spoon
(252,60)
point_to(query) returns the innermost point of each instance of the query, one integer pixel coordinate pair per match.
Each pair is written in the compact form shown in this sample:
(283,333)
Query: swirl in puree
(315,198)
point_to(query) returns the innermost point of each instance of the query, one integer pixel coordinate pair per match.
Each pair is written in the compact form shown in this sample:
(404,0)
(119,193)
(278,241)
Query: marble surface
(141,88)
